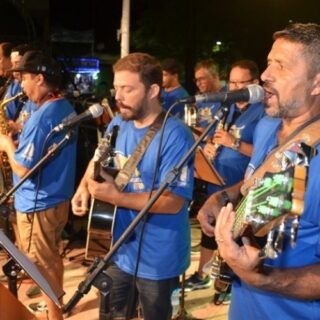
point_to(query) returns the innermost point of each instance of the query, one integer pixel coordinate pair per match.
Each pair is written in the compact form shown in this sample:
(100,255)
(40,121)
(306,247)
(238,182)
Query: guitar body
(100,222)
(99,230)
(101,214)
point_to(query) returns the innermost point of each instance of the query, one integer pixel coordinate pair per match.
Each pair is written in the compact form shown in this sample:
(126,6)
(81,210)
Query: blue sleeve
(176,145)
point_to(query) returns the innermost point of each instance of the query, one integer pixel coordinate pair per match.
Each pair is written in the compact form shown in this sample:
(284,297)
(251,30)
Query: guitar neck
(96,170)
(278,196)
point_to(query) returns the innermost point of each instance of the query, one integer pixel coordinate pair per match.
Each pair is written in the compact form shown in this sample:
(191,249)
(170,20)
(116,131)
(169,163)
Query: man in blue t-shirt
(157,251)
(172,90)
(42,201)
(207,80)
(287,284)
(229,150)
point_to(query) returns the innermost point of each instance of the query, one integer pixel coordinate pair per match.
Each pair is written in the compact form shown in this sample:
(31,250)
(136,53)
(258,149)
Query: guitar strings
(243,207)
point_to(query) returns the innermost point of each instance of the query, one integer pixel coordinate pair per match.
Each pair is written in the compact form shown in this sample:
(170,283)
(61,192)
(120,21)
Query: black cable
(31,216)
(145,219)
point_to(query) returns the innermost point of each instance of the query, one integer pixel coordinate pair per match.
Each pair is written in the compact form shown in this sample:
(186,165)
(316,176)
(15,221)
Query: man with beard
(288,285)
(157,252)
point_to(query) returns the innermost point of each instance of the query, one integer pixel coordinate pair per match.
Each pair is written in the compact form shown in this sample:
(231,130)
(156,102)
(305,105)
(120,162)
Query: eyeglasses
(240,82)
(199,79)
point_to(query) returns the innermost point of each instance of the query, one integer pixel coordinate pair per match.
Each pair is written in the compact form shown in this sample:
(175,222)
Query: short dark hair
(147,66)
(170,65)
(22,48)
(307,34)
(248,65)
(6,48)
(36,62)
(208,64)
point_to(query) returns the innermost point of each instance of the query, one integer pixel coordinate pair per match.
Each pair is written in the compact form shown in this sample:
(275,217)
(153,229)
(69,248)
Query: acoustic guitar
(277,200)
(101,214)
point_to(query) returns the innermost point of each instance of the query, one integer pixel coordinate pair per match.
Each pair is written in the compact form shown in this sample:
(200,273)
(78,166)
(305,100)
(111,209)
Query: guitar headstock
(277,197)
(103,150)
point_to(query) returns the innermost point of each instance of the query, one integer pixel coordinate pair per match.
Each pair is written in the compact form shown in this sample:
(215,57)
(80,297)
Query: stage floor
(196,302)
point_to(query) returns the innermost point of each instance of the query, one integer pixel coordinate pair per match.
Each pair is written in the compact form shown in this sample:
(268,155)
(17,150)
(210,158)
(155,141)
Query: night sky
(184,29)
(246,25)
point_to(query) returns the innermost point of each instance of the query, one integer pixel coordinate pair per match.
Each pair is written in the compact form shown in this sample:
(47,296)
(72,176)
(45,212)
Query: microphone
(253,93)
(92,112)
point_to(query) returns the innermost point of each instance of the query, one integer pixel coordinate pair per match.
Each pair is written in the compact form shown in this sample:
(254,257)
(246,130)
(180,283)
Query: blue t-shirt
(28,108)
(166,239)
(251,303)
(11,108)
(168,98)
(229,163)
(58,174)
(206,112)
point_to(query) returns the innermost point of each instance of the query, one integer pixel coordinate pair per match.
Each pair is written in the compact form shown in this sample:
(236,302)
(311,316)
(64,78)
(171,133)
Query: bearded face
(131,95)
(287,85)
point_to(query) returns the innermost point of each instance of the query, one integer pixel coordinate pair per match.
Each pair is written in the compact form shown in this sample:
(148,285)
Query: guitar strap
(125,174)
(307,133)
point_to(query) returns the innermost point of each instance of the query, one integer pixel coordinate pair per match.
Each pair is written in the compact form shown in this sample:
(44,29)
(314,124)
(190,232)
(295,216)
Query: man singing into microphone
(42,202)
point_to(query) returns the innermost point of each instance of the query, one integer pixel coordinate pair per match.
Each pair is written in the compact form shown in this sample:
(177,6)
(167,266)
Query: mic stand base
(11,270)
(182,313)
(104,284)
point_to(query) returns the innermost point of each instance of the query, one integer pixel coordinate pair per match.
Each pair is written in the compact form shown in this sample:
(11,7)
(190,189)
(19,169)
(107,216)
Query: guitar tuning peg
(294,232)
(268,250)
(278,243)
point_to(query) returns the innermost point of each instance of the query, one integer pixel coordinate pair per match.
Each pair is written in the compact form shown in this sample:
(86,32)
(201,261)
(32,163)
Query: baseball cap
(38,62)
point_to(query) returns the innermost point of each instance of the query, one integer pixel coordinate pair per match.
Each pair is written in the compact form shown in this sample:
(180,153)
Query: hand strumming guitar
(208,213)
(80,200)
(106,191)
(243,260)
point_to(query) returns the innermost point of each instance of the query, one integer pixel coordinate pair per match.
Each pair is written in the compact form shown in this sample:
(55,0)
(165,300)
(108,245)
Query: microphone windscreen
(96,110)
(256,93)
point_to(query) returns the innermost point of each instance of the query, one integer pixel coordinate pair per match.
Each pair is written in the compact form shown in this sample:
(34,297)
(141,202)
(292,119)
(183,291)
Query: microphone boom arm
(51,153)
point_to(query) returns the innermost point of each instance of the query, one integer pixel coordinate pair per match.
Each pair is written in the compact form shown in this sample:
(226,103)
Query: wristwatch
(236,144)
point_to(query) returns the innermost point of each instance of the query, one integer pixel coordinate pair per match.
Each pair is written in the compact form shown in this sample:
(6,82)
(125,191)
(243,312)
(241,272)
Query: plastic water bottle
(175,302)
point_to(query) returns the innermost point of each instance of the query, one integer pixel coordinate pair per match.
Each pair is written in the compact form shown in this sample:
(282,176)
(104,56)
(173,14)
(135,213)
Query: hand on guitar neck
(248,254)
(277,200)
(209,212)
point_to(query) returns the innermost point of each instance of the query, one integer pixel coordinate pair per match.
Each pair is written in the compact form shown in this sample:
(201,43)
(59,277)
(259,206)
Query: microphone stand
(96,271)
(51,153)
(10,268)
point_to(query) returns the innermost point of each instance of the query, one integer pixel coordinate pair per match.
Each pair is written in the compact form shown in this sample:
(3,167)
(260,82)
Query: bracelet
(225,198)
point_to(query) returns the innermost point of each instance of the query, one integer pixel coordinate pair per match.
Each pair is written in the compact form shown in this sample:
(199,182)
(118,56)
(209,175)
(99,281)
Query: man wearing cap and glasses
(42,202)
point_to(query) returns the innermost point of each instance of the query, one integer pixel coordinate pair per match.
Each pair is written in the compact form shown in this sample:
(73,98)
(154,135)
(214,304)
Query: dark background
(184,29)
